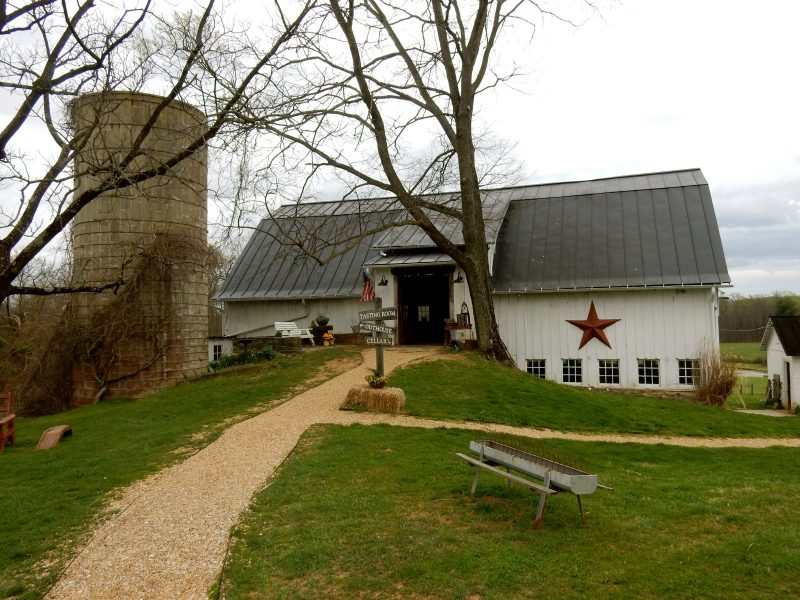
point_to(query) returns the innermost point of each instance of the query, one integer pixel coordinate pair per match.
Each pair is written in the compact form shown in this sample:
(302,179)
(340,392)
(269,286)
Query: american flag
(367,292)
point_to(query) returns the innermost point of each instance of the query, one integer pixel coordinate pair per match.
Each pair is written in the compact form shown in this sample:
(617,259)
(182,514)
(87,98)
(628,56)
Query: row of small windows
(649,370)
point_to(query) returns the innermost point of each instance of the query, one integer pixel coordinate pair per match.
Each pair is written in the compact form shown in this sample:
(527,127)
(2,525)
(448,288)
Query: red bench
(7,434)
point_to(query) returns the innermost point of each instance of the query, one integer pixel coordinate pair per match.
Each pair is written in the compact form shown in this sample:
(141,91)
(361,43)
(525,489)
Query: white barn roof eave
(708,286)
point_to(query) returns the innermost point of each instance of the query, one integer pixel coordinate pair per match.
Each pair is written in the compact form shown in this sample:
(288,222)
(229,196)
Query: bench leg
(475,480)
(580,506)
(542,501)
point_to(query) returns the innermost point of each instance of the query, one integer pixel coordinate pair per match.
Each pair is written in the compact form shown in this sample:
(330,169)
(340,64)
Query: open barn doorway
(423,302)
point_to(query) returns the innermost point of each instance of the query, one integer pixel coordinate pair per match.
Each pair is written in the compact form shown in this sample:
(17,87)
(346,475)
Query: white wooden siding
(255,319)
(227,347)
(667,325)
(777,360)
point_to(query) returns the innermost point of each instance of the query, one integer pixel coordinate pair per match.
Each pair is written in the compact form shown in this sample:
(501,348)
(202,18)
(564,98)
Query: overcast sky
(656,85)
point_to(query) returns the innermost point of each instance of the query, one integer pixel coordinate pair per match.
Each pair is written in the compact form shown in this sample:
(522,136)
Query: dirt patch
(327,371)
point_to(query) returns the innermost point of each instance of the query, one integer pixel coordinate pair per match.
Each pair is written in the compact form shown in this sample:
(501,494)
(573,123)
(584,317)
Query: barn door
(788,386)
(423,298)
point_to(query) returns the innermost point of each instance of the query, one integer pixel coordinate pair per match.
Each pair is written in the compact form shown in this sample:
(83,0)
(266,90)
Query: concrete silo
(153,331)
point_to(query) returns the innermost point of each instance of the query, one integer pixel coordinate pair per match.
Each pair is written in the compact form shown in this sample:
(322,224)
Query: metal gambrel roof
(656,229)
(273,266)
(493,202)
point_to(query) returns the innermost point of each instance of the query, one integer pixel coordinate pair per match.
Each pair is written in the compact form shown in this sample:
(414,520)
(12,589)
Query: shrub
(715,379)
(244,357)
(319,326)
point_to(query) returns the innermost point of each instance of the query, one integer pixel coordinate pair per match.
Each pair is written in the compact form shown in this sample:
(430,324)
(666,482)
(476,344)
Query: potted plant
(327,338)
(377,381)
(319,326)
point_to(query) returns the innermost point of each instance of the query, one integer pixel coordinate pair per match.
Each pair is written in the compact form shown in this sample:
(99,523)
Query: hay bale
(389,400)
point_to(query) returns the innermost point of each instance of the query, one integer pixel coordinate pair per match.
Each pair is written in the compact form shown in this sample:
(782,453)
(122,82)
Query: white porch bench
(289,329)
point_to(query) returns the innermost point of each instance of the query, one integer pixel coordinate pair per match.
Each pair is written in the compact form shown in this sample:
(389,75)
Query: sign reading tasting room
(380,314)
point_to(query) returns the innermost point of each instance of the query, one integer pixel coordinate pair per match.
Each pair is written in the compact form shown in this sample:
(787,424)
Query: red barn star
(593,327)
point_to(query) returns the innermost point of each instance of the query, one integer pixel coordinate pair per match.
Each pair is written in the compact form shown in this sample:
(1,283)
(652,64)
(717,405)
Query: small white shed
(781,341)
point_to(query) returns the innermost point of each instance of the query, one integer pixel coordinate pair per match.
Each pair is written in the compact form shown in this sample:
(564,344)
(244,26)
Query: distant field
(746,354)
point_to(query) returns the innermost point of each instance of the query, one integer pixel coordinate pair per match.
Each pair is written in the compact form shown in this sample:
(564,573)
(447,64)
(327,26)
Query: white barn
(781,341)
(610,282)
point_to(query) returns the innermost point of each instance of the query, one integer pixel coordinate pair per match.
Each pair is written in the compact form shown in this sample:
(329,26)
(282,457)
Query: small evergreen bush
(244,357)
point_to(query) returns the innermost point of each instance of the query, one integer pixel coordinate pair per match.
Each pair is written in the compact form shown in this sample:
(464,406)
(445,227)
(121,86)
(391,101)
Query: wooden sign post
(379,341)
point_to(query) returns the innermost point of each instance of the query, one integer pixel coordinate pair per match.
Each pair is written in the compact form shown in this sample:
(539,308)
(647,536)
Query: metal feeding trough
(555,476)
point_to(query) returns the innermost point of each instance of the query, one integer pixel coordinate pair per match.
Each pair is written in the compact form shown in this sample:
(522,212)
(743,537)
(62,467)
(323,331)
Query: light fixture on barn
(383,282)
(459,279)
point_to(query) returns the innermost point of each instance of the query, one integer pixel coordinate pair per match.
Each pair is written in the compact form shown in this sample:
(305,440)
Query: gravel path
(169,538)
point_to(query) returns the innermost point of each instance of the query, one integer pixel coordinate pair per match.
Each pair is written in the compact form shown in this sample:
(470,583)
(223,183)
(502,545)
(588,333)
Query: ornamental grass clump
(714,379)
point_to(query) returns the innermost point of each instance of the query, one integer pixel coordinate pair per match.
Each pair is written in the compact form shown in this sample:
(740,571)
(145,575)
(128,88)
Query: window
(424,314)
(217,351)
(648,371)
(571,371)
(687,370)
(609,370)
(536,367)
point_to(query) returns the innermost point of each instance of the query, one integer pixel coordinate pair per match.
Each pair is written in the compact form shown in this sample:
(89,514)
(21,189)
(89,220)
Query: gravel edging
(169,540)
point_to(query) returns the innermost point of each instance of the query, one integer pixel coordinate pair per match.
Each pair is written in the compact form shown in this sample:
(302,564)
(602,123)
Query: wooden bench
(7,433)
(543,491)
(289,329)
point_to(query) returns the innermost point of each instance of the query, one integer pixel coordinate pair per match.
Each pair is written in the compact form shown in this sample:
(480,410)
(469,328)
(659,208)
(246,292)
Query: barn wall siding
(664,324)
(256,318)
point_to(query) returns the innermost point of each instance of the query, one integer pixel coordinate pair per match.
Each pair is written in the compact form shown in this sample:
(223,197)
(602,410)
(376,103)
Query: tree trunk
(490,343)
(477,270)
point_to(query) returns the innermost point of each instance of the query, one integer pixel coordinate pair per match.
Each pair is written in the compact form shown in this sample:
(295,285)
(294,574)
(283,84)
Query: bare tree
(375,78)
(52,52)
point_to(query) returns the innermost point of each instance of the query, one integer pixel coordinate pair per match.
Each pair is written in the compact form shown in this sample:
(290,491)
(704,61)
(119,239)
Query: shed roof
(787,328)
(654,229)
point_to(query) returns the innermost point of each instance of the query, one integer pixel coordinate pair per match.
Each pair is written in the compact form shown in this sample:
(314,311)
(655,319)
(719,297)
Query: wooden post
(379,347)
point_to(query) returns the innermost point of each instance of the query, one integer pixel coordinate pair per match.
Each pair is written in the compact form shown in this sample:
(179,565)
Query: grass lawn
(751,391)
(746,355)
(381,512)
(475,390)
(48,499)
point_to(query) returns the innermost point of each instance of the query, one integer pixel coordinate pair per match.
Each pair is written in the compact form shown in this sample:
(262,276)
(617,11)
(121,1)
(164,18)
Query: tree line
(743,318)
